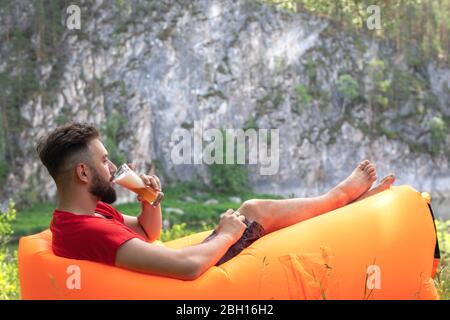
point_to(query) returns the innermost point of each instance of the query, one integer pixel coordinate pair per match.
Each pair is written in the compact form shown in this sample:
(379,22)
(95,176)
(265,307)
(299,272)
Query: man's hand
(231,224)
(149,181)
(149,221)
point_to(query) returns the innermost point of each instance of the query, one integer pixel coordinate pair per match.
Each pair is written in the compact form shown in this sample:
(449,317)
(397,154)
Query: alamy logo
(74,19)
(373,277)
(374,21)
(74,279)
(188,147)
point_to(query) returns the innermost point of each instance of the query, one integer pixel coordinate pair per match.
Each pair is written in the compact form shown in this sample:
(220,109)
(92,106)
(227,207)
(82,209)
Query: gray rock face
(174,210)
(236,200)
(162,66)
(210,202)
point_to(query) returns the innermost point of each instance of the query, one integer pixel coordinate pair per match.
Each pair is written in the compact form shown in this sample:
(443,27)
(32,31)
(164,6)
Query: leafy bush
(438,130)
(443,228)
(348,87)
(251,123)
(229,178)
(3,163)
(5,227)
(177,231)
(4,168)
(181,230)
(304,99)
(380,86)
(9,279)
(442,279)
(110,130)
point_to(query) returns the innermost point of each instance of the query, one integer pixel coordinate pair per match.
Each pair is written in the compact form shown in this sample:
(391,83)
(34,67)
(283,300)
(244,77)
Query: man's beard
(102,189)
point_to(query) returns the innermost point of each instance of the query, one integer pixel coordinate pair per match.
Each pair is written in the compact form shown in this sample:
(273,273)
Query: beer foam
(130,180)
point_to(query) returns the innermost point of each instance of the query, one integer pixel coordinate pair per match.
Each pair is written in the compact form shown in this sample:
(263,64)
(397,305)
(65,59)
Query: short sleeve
(89,238)
(103,238)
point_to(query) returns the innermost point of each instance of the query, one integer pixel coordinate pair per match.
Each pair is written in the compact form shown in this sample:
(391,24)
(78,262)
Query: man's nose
(112,168)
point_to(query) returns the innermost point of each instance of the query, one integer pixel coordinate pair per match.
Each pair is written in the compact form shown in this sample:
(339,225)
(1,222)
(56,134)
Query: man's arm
(148,223)
(187,263)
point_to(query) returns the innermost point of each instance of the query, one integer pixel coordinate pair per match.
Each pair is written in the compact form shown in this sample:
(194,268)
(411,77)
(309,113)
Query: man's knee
(250,206)
(256,210)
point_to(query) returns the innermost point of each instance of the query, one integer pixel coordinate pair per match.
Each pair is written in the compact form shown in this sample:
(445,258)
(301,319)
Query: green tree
(348,87)
(304,99)
(418,28)
(110,131)
(229,178)
(379,85)
(3,163)
(9,279)
(439,132)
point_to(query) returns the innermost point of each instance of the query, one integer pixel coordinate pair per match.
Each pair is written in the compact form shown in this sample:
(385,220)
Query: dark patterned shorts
(253,232)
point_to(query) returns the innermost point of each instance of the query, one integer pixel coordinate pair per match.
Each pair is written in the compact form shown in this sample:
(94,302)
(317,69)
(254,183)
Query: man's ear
(82,172)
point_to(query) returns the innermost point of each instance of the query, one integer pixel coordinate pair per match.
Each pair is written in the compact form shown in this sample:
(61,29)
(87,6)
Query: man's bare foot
(358,183)
(384,184)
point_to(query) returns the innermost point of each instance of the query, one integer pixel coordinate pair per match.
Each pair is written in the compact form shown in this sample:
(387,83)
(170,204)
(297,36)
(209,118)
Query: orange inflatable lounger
(383,247)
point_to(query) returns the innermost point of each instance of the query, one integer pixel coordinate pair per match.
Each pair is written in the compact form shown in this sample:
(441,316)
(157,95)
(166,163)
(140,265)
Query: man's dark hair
(66,144)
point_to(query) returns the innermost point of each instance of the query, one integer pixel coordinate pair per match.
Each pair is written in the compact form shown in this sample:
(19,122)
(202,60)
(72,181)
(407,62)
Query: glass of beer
(128,179)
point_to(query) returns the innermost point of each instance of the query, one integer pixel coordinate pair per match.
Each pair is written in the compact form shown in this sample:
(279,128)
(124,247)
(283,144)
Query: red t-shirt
(87,237)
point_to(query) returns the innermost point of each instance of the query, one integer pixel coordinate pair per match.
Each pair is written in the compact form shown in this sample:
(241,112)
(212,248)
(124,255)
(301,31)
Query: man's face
(102,173)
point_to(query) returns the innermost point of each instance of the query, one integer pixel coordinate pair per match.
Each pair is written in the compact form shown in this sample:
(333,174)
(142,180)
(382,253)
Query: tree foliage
(229,178)
(439,131)
(348,87)
(379,86)
(9,280)
(34,43)
(110,131)
(418,29)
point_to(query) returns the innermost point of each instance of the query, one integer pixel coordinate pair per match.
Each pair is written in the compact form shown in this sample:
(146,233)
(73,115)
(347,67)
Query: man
(84,226)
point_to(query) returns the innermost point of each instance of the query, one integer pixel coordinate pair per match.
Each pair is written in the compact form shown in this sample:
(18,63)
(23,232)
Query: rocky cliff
(142,69)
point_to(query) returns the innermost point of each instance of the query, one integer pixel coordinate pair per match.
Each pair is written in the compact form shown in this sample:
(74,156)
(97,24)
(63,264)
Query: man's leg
(277,214)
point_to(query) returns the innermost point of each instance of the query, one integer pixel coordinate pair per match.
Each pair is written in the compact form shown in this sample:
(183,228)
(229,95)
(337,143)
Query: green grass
(442,279)
(32,220)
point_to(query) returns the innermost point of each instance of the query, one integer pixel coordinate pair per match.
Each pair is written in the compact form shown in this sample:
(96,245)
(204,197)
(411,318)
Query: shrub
(180,230)
(110,130)
(229,178)
(348,87)
(4,168)
(9,279)
(380,86)
(438,130)
(442,279)
(304,98)
(251,123)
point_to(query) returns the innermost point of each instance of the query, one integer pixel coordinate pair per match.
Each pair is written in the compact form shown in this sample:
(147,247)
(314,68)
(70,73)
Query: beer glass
(128,179)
